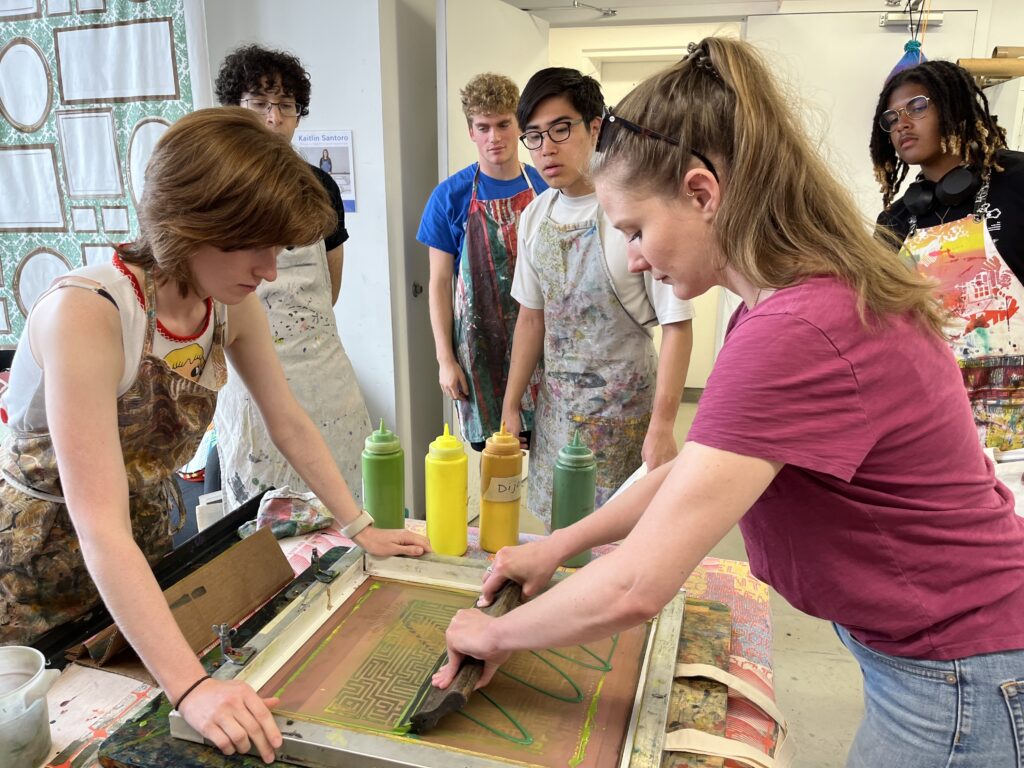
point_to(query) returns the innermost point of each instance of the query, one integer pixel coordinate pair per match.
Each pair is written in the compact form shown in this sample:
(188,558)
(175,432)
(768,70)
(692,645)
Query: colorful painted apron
(485,312)
(305,334)
(984,298)
(600,368)
(161,419)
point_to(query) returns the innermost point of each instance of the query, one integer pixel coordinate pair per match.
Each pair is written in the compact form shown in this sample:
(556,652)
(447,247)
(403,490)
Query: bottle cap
(576,454)
(503,443)
(382,440)
(447,446)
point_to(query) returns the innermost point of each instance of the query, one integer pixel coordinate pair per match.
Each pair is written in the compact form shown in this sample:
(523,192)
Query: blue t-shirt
(443,225)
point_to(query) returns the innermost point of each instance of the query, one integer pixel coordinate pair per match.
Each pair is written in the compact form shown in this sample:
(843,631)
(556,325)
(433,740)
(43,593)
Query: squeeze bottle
(383,465)
(574,489)
(447,470)
(501,476)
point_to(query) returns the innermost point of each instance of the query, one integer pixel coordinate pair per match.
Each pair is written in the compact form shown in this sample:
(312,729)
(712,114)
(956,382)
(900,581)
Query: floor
(817,682)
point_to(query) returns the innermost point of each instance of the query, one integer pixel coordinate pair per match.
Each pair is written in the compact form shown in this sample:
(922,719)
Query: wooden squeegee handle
(438,703)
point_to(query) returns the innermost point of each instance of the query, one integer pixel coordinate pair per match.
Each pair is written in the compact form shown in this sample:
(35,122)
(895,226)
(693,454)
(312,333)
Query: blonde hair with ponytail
(783,216)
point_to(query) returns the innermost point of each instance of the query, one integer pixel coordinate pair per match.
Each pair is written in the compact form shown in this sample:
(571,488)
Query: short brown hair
(489,94)
(219,177)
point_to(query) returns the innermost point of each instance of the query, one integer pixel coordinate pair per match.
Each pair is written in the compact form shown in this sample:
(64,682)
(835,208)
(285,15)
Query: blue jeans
(966,713)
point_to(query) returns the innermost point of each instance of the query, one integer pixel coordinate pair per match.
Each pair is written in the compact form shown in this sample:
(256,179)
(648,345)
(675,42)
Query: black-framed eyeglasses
(611,124)
(558,133)
(914,109)
(286,108)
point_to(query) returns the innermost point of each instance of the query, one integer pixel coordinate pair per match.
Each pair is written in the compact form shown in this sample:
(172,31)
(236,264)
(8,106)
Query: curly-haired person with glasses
(962,224)
(300,307)
(834,429)
(584,310)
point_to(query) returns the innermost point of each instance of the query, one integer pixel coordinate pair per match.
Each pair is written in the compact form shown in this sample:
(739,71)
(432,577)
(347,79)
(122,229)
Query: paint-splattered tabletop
(87,705)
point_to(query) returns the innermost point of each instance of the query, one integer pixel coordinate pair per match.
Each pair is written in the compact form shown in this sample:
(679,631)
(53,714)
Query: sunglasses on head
(611,124)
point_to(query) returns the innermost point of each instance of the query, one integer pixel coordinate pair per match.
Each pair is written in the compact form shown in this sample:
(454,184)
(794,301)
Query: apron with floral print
(984,298)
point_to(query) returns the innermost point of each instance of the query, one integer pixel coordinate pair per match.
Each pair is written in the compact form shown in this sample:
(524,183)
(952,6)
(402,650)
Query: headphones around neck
(955,187)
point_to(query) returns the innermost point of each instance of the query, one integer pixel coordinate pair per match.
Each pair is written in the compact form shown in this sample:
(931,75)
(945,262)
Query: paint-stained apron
(600,368)
(161,418)
(984,298)
(486,313)
(305,335)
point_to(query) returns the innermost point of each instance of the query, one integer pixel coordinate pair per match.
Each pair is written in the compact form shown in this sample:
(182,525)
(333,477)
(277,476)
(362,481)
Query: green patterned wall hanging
(86,89)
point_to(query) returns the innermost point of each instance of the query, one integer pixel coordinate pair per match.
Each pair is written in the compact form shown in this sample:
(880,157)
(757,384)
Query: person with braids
(962,224)
(834,429)
(102,410)
(300,307)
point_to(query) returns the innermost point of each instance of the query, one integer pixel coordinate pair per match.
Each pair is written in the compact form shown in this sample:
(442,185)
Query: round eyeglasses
(558,133)
(914,109)
(286,108)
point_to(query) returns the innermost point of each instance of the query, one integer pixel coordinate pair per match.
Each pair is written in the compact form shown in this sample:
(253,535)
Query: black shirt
(1005,219)
(340,235)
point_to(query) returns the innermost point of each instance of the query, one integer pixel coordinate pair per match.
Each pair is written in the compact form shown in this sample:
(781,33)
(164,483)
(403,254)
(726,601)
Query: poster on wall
(331,152)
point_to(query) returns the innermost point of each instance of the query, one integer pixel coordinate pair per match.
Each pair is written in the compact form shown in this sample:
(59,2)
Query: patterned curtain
(86,89)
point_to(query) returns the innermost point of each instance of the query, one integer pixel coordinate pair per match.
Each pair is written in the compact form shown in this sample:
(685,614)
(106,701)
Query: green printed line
(524,738)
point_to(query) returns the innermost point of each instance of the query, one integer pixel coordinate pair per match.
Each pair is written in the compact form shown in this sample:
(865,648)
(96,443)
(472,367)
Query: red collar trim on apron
(123,269)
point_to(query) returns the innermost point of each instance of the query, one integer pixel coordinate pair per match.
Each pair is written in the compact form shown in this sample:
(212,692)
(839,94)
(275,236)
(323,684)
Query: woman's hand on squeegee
(470,634)
(531,565)
(386,541)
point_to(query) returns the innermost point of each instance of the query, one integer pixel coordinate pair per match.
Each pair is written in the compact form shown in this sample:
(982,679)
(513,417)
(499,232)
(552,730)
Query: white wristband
(356,527)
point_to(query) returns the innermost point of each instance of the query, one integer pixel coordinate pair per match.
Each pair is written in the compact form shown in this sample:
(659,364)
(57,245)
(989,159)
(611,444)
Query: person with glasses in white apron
(300,308)
(470,224)
(584,310)
(961,222)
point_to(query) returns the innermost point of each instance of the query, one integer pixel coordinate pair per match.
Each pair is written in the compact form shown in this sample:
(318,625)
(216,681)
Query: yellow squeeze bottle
(447,470)
(501,474)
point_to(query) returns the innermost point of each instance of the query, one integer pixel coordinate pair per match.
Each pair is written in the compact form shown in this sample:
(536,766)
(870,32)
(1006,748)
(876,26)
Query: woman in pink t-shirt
(834,429)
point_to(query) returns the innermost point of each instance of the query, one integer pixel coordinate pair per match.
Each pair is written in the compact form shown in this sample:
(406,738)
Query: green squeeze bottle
(574,489)
(384,478)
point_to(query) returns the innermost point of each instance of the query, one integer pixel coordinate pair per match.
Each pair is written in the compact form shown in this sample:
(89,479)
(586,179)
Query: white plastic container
(24,719)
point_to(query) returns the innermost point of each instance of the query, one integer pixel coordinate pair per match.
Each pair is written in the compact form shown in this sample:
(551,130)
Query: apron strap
(150,290)
(692,740)
(28,490)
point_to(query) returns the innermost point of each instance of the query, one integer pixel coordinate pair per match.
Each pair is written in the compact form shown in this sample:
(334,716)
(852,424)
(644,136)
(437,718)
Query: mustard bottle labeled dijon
(501,477)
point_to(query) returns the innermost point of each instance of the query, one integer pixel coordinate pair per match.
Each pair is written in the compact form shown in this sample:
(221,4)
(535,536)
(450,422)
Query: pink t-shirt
(887,518)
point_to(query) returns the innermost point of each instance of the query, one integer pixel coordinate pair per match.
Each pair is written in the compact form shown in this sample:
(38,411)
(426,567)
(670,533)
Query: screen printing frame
(317,745)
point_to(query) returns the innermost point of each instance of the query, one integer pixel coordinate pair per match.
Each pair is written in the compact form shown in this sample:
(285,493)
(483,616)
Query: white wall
(485,36)
(409,93)
(585,48)
(339,44)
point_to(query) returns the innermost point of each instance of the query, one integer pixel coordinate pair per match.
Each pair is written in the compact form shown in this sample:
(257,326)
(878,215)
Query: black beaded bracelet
(191,688)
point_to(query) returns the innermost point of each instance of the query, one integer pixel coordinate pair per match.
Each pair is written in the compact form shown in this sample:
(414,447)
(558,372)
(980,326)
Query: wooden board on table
(706,638)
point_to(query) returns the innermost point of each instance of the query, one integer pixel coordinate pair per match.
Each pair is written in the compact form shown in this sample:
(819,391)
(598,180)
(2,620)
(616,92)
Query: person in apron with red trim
(959,223)
(100,422)
(470,224)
